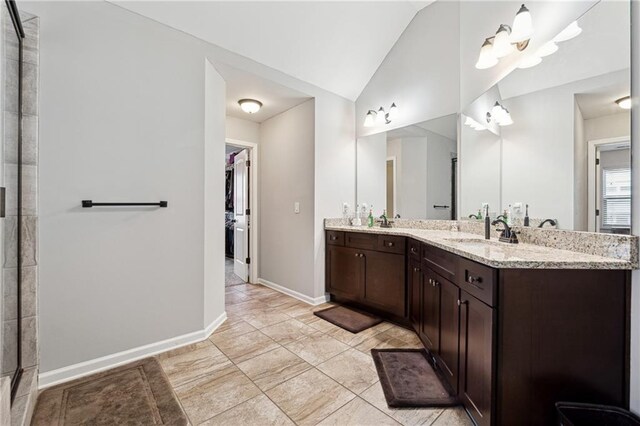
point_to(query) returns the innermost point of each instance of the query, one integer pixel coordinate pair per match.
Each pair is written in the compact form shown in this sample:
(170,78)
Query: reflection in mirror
(409,172)
(566,153)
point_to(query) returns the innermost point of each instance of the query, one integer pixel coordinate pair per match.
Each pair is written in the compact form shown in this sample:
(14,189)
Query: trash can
(579,414)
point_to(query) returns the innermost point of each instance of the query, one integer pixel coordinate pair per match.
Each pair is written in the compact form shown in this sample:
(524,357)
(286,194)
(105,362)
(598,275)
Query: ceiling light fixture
(522,28)
(487,58)
(572,30)
(250,106)
(624,103)
(380,117)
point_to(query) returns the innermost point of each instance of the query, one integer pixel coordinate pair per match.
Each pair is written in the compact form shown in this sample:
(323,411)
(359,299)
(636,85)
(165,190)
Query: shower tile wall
(27,390)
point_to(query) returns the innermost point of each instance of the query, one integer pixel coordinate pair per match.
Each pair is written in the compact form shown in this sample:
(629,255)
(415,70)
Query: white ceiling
(336,46)
(446,126)
(274,97)
(602,101)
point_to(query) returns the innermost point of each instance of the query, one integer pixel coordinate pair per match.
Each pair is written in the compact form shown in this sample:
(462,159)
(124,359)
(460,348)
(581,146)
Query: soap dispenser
(487,223)
(526,215)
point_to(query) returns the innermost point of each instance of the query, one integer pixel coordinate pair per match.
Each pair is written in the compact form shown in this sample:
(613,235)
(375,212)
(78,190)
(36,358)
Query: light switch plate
(296,207)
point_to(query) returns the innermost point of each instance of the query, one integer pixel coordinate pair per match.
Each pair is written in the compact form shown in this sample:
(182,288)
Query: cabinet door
(476,358)
(449,331)
(430,319)
(345,272)
(385,283)
(414,273)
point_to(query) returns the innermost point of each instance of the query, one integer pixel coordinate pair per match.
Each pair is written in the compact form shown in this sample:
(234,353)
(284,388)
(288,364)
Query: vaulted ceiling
(334,45)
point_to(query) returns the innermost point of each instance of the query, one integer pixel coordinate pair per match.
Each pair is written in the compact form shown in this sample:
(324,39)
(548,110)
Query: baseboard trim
(302,297)
(85,368)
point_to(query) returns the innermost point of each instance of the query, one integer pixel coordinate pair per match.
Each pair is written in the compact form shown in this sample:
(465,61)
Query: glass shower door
(11,210)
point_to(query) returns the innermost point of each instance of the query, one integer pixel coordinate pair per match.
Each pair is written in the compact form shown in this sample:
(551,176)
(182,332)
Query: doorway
(240,212)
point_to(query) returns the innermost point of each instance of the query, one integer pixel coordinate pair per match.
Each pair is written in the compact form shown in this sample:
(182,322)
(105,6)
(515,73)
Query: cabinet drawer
(440,261)
(335,238)
(478,280)
(361,241)
(391,244)
(414,249)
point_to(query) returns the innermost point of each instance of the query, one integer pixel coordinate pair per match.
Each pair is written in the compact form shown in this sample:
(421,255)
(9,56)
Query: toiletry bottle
(487,223)
(370,219)
(505,216)
(479,214)
(526,215)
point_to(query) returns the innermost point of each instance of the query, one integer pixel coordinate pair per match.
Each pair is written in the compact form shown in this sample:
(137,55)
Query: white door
(241,216)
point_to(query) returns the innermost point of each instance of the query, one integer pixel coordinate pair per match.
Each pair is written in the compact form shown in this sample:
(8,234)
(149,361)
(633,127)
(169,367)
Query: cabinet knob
(389,244)
(474,280)
(415,269)
(333,238)
(436,283)
(462,302)
(413,250)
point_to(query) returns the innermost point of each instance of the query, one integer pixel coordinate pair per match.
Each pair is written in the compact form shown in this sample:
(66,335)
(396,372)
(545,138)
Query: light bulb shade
(522,28)
(529,61)
(497,111)
(572,30)
(486,59)
(506,119)
(370,118)
(469,121)
(624,103)
(380,116)
(393,111)
(501,44)
(547,49)
(250,106)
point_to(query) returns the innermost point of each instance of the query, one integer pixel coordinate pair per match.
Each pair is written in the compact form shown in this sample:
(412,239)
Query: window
(616,198)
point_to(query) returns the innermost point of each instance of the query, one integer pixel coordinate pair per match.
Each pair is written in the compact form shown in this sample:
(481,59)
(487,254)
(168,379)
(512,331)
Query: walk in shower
(11,194)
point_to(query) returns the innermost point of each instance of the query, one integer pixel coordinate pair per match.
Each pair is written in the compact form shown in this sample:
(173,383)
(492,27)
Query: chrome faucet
(507,235)
(384,222)
(551,222)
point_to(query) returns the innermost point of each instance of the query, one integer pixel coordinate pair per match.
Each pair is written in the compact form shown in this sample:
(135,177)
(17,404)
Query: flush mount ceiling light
(624,103)
(500,115)
(250,106)
(380,117)
(522,28)
(572,30)
(487,58)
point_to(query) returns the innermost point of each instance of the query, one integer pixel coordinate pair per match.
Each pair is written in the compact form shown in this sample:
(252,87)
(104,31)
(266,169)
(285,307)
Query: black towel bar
(90,203)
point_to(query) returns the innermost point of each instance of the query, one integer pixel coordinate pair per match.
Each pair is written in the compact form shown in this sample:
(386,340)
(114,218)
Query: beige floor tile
(188,366)
(183,349)
(246,346)
(214,393)
(307,318)
(407,416)
(297,309)
(274,367)
(233,330)
(266,318)
(310,397)
(258,411)
(289,331)
(455,416)
(235,297)
(316,349)
(358,413)
(352,369)
(352,339)
(382,341)
(403,334)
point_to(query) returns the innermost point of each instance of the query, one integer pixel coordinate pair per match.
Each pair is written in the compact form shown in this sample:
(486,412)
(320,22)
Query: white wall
(122,118)
(635,213)
(372,172)
(242,130)
(608,126)
(287,176)
(412,188)
(420,73)
(580,175)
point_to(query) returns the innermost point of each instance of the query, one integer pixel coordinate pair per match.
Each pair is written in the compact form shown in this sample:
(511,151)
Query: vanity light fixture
(500,115)
(487,58)
(522,28)
(549,48)
(529,61)
(380,117)
(250,106)
(474,124)
(624,103)
(572,30)
(501,43)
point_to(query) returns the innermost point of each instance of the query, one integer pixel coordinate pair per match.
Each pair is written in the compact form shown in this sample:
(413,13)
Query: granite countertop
(497,254)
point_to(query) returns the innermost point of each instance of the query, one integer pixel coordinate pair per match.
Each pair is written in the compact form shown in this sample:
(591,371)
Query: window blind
(616,198)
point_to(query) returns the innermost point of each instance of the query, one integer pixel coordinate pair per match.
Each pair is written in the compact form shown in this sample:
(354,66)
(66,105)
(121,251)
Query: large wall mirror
(564,149)
(409,172)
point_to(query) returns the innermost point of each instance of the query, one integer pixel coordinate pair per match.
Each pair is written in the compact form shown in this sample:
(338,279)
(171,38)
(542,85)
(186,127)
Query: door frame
(593,224)
(253,203)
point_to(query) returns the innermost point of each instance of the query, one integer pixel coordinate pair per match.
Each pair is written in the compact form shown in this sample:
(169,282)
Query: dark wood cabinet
(414,284)
(477,329)
(384,282)
(345,269)
(510,342)
(429,329)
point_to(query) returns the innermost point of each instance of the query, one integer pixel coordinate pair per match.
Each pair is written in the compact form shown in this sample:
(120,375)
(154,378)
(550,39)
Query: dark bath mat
(350,320)
(408,380)
(134,394)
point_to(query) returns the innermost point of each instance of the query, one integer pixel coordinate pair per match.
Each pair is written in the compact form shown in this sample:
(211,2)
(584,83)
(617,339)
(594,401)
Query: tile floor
(275,363)
(230,279)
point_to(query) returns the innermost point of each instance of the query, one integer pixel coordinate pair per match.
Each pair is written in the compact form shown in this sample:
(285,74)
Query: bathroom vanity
(513,328)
